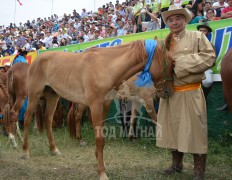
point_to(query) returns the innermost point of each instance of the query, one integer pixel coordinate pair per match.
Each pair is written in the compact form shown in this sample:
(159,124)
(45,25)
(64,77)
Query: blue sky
(11,11)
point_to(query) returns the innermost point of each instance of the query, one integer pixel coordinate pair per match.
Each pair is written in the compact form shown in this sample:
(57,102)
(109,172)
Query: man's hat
(204,25)
(7,64)
(174,10)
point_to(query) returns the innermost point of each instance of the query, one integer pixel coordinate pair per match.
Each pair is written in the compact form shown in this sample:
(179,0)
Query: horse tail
(71,122)
(4,89)
(6,116)
(39,115)
(10,85)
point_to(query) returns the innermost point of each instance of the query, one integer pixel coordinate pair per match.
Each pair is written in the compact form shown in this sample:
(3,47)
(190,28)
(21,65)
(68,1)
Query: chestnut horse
(17,91)
(86,78)
(138,95)
(226,73)
(14,92)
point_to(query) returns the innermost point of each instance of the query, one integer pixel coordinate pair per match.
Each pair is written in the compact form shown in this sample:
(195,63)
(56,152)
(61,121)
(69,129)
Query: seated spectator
(211,15)
(207,6)
(227,11)
(97,35)
(41,46)
(27,46)
(80,39)
(91,34)
(219,6)
(197,12)
(110,32)
(63,42)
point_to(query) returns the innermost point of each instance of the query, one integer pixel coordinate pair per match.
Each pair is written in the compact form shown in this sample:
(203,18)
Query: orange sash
(187,87)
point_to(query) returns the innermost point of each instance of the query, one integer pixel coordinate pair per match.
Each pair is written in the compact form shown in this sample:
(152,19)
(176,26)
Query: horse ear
(156,38)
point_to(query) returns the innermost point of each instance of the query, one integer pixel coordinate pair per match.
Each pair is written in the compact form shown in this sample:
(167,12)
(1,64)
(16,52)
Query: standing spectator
(48,40)
(164,7)
(227,11)
(183,116)
(121,30)
(208,81)
(20,57)
(154,23)
(155,6)
(84,13)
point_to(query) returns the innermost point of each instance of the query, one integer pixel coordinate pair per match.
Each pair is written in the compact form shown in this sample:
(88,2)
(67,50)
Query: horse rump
(226,73)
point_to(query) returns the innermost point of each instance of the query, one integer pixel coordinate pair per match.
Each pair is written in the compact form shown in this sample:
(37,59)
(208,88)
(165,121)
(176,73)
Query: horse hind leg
(51,103)
(78,118)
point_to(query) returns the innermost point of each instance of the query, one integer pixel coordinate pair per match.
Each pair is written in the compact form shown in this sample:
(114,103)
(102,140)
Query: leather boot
(199,166)
(177,163)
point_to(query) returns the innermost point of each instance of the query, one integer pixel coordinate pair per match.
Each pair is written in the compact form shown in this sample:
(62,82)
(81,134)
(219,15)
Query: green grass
(125,160)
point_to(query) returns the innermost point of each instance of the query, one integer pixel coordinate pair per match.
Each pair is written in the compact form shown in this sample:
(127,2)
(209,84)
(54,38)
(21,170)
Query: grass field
(125,160)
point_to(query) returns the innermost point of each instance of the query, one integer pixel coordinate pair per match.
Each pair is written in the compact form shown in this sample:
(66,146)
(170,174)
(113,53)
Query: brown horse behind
(87,78)
(226,73)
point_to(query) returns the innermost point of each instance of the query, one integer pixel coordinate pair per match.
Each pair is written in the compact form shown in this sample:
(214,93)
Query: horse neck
(131,66)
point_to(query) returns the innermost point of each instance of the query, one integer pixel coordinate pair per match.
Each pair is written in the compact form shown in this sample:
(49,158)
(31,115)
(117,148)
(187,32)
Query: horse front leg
(16,108)
(150,108)
(18,131)
(97,120)
(11,136)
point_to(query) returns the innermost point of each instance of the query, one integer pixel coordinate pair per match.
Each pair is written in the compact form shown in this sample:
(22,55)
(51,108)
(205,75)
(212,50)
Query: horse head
(162,71)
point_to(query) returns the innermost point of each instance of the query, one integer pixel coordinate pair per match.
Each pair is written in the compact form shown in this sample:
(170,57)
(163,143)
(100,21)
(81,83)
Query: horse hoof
(56,153)
(82,143)
(104,177)
(25,156)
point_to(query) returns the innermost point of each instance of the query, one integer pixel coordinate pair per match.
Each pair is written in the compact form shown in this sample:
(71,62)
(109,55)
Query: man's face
(204,30)
(229,2)
(176,23)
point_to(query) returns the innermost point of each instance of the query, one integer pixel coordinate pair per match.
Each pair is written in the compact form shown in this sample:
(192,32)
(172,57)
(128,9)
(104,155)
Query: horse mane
(170,43)
(135,48)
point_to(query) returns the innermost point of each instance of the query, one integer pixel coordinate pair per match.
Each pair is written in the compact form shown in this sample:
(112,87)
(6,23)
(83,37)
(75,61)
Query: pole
(15,11)
(52,8)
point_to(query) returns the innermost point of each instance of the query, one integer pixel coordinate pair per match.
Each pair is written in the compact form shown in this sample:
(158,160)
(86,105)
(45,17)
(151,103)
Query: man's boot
(199,166)
(177,163)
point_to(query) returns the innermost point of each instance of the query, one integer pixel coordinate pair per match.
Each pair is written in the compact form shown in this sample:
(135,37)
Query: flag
(20,3)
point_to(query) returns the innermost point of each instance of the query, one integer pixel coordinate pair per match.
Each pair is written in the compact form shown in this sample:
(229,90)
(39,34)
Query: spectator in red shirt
(227,11)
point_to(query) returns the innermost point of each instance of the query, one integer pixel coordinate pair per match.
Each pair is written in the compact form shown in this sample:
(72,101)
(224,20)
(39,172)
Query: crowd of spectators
(131,16)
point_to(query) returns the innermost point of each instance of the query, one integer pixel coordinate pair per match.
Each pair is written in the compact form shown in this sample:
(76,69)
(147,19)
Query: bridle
(160,85)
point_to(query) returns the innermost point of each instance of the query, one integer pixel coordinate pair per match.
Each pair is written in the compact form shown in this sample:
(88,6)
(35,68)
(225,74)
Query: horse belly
(76,95)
